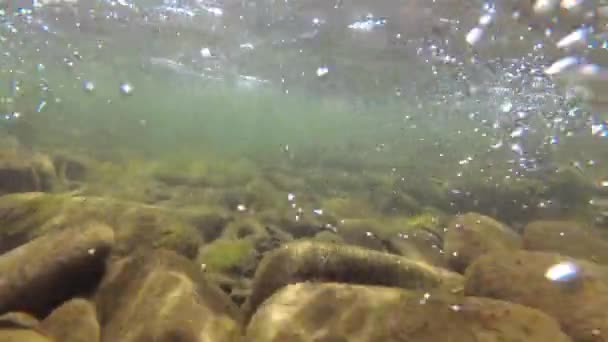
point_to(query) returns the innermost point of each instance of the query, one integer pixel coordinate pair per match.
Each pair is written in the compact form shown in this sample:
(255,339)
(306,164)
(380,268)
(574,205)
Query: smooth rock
(162,296)
(308,312)
(74,321)
(577,298)
(316,261)
(22,335)
(39,275)
(566,238)
(472,235)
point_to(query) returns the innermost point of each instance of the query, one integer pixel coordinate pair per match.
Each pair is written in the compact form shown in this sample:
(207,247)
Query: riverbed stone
(307,312)
(472,235)
(41,274)
(161,296)
(578,299)
(74,321)
(305,260)
(567,238)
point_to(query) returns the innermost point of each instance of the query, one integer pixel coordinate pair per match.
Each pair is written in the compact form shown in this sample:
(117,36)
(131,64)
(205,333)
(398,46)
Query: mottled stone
(316,261)
(577,300)
(307,312)
(162,296)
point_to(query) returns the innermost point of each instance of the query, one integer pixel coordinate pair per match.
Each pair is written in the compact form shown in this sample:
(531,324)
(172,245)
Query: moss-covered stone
(39,275)
(567,238)
(161,296)
(22,171)
(74,321)
(314,261)
(225,255)
(339,312)
(578,301)
(472,235)
(26,216)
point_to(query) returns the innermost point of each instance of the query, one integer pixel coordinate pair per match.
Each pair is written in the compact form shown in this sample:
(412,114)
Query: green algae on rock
(567,238)
(159,296)
(26,216)
(301,261)
(39,275)
(579,304)
(307,312)
(225,255)
(22,171)
(472,235)
(73,321)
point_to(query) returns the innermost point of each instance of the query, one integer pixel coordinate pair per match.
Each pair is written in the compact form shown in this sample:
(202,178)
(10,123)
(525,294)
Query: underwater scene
(303,170)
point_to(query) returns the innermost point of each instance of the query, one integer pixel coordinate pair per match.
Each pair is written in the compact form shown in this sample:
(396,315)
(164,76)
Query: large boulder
(41,274)
(307,312)
(316,261)
(567,238)
(472,235)
(577,295)
(162,296)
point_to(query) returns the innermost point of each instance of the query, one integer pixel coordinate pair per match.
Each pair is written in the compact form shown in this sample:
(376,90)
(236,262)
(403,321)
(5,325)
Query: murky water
(305,116)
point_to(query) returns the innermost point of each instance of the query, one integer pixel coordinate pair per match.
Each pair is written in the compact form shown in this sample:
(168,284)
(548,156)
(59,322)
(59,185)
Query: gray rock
(39,275)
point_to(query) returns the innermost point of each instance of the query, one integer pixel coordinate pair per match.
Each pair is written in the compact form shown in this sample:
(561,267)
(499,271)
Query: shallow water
(401,113)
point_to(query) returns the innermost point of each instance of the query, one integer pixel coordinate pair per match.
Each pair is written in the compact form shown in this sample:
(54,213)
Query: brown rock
(472,235)
(340,312)
(24,172)
(578,302)
(74,321)
(22,335)
(566,238)
(39,275)
(162,296)
(316,261)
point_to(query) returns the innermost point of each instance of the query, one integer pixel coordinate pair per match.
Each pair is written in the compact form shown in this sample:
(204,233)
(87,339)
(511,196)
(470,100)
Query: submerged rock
(577,296)
(315,261)
(50,269)
(566,238)
(308,312)
(471,235)
(74,321)
(22,335)
(18,320)
(26,216)
(24,172)
(162,296)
